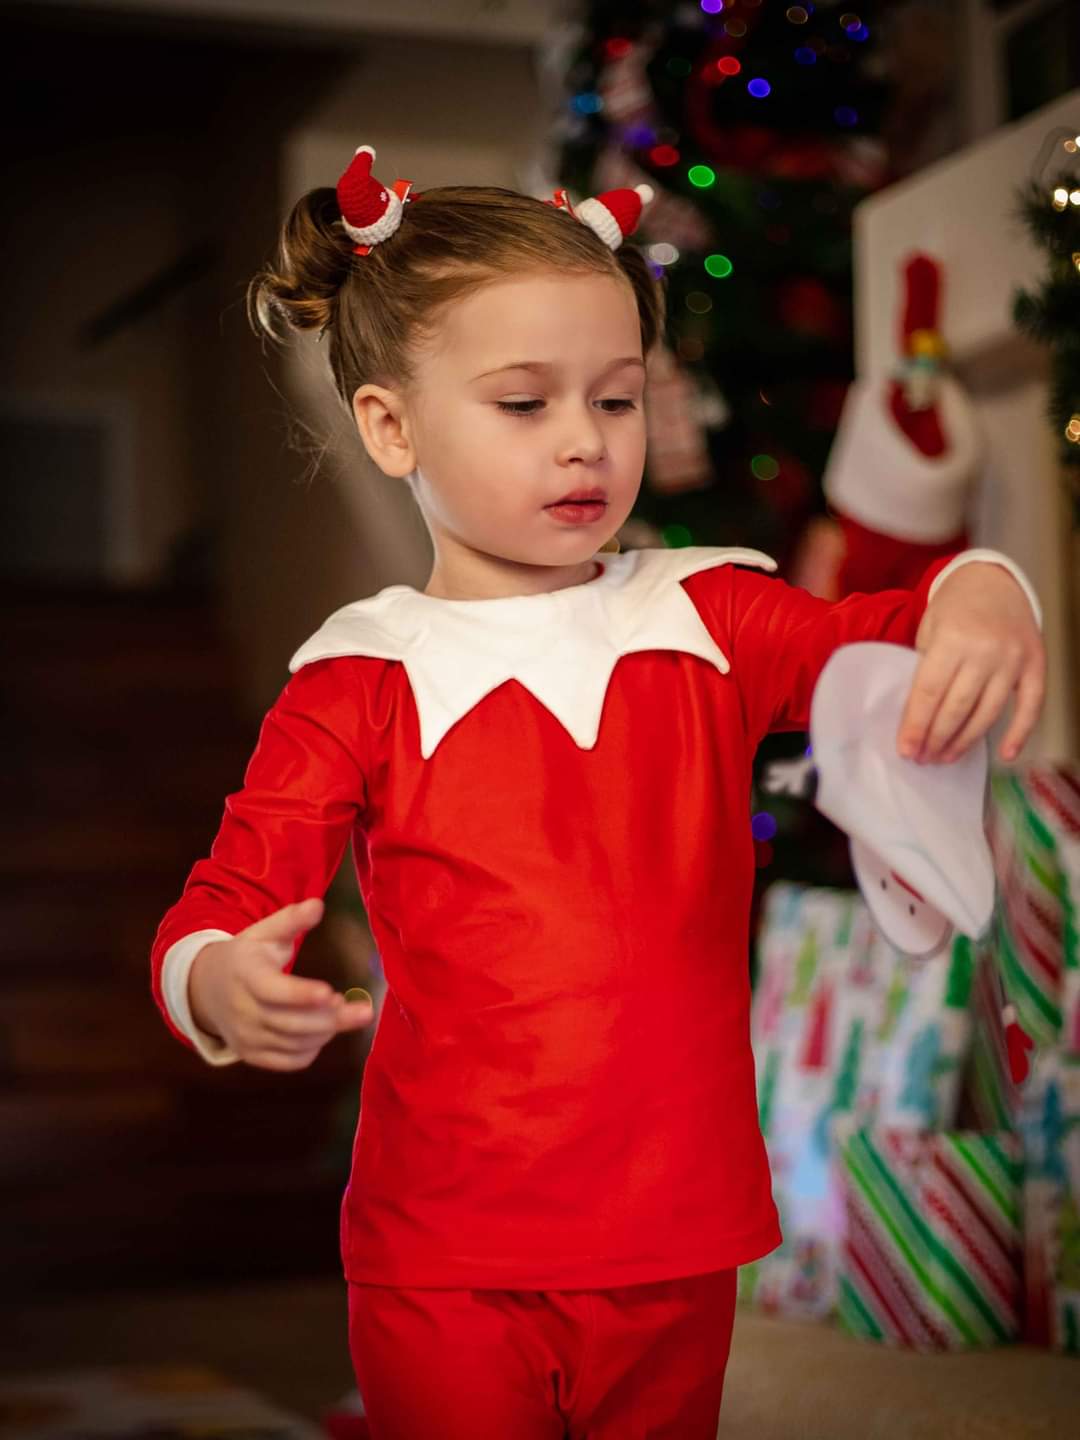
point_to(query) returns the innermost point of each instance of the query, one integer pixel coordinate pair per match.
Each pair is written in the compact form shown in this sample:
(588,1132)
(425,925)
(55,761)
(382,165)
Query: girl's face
(530,392)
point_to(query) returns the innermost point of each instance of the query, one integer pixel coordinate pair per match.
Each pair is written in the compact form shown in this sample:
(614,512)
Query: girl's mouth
(578,512)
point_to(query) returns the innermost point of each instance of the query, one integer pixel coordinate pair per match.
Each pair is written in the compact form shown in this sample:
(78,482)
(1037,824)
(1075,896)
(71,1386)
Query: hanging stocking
(906,455)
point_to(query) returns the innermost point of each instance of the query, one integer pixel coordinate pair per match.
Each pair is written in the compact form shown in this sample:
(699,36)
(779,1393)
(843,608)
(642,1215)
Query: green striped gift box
(932,1255)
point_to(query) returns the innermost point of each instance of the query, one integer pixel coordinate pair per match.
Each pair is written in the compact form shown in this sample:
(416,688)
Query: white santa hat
(918,844)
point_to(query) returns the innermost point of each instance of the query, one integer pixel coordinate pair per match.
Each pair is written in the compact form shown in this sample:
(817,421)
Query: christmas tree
(756,123)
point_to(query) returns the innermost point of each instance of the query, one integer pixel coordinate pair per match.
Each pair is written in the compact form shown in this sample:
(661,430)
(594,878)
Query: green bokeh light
(676,536)
(764,467)
(701,176)
(719,266)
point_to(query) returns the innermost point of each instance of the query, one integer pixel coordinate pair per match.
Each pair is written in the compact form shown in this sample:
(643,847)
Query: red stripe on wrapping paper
(1049,920)
(1069,781)
(1046,963)
(875,1264)
(1041,786)
(998,1281)
(866,1286)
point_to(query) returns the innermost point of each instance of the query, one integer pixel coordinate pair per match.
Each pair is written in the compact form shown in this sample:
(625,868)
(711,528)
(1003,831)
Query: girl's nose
(584,440)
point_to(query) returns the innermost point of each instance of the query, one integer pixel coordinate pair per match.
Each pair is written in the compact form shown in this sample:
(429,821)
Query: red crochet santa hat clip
(613,215)
(370,211)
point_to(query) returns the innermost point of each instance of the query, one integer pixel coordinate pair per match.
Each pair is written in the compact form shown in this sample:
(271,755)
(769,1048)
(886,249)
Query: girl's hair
(451,240)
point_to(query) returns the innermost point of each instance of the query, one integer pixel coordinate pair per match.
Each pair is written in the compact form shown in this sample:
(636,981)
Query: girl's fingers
(289,1024)
(991,704)
(931,682)
(957,705)
(271,987)
(356,1015)
(1029,697)
(270,1058)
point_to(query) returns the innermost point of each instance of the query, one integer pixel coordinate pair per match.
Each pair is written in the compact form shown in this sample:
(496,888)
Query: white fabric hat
(918,844)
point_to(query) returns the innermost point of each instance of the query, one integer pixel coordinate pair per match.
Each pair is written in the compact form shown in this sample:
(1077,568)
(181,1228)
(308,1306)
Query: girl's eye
(522,407)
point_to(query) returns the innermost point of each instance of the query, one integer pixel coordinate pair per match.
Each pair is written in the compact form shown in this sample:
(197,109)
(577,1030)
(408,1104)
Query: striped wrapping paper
(1033,825)
(931,1259)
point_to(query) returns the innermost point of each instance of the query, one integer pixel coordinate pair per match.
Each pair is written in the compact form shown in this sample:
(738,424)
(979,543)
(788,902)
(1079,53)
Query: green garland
(1050,314)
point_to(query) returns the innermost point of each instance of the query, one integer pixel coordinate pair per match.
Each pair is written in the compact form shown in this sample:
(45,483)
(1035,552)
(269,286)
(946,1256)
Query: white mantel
(962,211)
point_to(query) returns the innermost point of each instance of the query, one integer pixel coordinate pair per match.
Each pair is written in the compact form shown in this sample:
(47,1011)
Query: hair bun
(299,289)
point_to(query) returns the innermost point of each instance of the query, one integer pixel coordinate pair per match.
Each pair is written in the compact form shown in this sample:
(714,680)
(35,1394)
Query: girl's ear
(381,419)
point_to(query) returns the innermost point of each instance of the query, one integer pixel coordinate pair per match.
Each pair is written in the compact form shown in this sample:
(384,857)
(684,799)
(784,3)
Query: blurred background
(868,221)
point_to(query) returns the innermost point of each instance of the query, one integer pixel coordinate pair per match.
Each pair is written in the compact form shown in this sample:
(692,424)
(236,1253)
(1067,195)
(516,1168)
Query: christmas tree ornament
(906,457)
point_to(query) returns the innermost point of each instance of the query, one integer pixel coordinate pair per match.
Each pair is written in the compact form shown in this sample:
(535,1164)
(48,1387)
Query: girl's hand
(279,1022)
(979,642)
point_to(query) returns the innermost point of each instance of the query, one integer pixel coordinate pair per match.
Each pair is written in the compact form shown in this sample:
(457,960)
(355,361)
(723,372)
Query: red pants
(623,1364)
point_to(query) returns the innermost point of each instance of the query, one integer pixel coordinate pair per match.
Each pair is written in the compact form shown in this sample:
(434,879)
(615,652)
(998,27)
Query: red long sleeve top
(548,803)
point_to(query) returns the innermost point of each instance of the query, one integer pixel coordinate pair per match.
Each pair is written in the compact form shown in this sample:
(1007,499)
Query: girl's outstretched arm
(280,841)
(975,619)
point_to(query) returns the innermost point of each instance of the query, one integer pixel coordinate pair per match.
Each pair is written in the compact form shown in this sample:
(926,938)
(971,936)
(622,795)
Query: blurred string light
(1072,430)
(764,467)
(698,302)
(1076,259)
(719,266)
(588,102)
(639,137)
(617,47)
(728,65)
(735,28)
(702,176)
(1071,145)
(663,253)
(798,14)
(759,88)
(805,56)
(712,7)
(676,536)
(845,115)
(763,825)
(664,155)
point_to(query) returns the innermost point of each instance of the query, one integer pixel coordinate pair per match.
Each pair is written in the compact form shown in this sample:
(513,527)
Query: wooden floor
(786,1381)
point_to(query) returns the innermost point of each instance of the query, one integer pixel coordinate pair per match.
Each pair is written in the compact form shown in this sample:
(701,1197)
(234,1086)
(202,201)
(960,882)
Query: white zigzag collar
(561,646)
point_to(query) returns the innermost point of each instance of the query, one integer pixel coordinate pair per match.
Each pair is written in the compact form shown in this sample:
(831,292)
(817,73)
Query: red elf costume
(558,1162)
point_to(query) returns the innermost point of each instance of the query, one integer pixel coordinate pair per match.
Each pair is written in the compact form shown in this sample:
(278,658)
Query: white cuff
(175,970)
(991,557)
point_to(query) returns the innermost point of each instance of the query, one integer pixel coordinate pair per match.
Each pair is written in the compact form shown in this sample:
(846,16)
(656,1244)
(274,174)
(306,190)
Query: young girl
(543,762)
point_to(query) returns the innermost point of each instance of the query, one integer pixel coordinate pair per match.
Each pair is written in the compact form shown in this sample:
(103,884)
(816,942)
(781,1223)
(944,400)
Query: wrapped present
(843,1025)
(931,1256)
(1033,824)
(990,1096)
(920,1044)
(817,1000)
(1050,1130)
